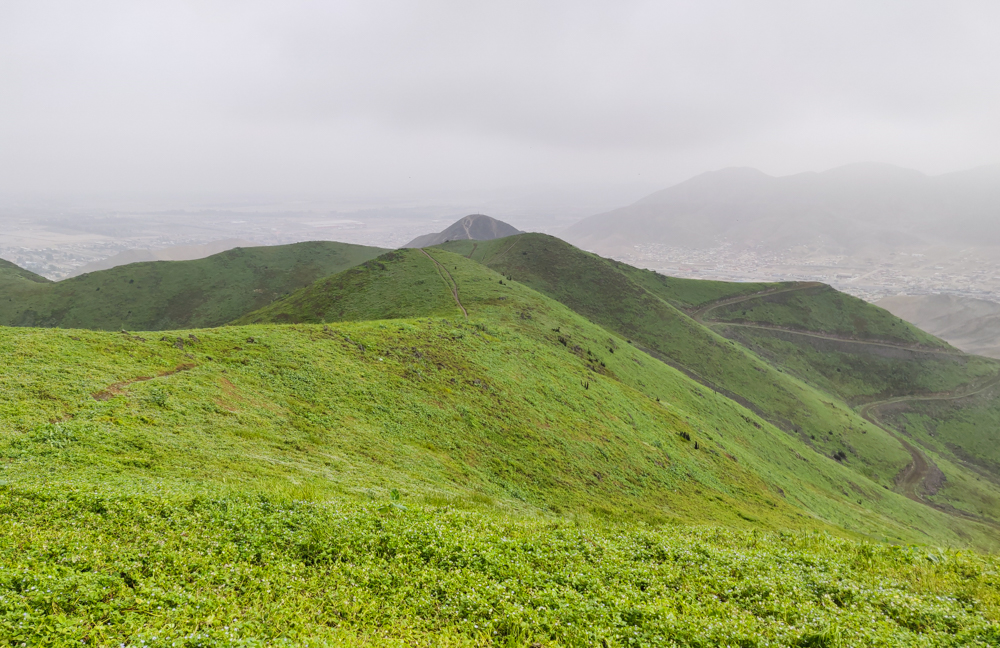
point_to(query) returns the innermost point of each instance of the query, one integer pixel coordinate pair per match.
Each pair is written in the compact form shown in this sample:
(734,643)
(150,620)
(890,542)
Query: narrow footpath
(449,280)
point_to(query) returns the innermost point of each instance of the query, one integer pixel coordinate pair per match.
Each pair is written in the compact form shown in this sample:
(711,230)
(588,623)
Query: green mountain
(421,450)
(806,351)
(158,295)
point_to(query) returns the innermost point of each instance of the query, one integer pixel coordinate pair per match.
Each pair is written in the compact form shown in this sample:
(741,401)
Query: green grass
(771,455)
(824,310)
(597,289)
(162,295)
(364,465)
(149,567)
(860,373)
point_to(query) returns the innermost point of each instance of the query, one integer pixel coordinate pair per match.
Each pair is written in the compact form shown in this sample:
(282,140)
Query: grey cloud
(378,96)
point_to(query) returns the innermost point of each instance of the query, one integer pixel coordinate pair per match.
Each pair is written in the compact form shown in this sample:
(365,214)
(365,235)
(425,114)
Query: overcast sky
(396,98)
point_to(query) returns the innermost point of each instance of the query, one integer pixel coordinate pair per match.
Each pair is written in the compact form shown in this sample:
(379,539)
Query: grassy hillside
(822,309)
(161,295)
(765,450)
(795,371)
(509,478)
(860,372)
(12,276)
(399,284)
(959,433)
(597,289)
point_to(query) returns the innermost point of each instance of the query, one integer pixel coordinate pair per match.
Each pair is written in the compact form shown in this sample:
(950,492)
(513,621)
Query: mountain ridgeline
(159,295)
(846,210)
(814,363)
(497,442)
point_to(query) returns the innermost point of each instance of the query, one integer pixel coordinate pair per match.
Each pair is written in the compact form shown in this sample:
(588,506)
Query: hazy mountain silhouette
(843,210)
(972,325)
(477,227)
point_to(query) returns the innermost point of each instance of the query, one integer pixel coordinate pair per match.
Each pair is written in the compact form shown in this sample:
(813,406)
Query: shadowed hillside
(159,295)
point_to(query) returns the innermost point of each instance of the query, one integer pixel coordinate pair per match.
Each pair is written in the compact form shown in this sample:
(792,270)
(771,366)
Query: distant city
(971,272)
(58,245)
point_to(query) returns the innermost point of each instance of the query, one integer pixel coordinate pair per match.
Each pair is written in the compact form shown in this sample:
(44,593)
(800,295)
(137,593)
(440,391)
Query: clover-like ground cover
(148,567)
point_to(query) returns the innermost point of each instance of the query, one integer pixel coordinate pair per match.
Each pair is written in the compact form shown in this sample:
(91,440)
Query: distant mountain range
(844,211)
(477,227)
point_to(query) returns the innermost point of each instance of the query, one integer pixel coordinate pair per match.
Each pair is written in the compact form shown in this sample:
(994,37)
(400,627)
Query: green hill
(600,290)
(421,451)
(158,295)
(486,294)
(806,334)
(13,276)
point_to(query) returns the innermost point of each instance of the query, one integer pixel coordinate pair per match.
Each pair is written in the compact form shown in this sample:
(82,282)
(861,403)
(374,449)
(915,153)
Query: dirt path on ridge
(450,281)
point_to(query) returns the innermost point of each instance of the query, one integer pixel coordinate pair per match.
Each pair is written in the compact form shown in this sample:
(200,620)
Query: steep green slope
(176,294)
(816,482)
(595,288)
(941,403)
(795,377)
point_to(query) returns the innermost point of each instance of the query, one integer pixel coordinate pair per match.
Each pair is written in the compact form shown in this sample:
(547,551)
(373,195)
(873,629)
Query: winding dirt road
(699,316)
(920,466)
